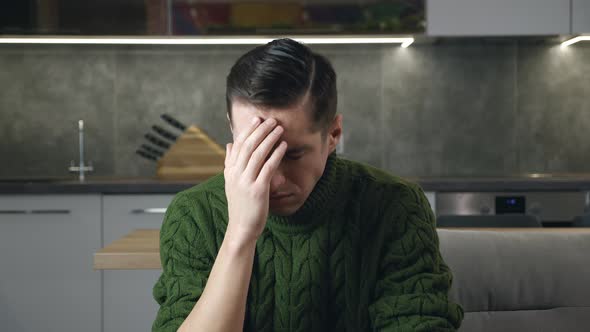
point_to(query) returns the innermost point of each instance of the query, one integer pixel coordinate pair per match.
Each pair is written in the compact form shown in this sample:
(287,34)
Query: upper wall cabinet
(212,17)
(499,17)
(580,16)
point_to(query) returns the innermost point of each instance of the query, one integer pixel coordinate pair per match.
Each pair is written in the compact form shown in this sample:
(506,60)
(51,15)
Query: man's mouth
(279,196)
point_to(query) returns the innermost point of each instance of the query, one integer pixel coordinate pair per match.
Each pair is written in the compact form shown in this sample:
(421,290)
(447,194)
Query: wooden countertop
(140,249)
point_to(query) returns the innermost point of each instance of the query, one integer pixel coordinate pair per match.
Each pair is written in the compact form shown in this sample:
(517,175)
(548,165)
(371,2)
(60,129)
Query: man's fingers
(262,152)
(237,145)
(228,148)
(272,163)
(252,142)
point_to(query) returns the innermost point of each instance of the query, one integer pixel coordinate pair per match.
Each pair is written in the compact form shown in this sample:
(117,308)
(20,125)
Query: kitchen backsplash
(462,107)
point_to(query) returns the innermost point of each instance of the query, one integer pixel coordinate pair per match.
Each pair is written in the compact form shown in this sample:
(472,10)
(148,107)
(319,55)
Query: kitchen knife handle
(173,122)
(164,133)
(157,141)
(146,155)
(151,150)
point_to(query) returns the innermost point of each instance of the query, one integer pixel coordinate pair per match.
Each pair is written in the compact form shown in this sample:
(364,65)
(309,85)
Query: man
(291,237)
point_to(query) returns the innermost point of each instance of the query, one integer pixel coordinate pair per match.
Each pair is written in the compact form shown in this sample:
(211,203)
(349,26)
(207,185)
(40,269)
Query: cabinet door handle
(149,211)
(40,211)
(13,212)
(50,211)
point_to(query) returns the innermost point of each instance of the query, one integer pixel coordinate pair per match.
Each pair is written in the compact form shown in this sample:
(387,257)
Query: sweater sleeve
(186,264)
(412,288)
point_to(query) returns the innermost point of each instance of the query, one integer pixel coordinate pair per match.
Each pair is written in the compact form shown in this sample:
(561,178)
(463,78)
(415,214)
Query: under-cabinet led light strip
(404,41)
(575,40)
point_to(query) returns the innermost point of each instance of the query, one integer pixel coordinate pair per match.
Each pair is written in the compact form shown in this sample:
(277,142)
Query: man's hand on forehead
(276,125)
(250,163)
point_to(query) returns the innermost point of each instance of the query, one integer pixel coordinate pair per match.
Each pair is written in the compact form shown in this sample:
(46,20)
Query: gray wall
(459,107)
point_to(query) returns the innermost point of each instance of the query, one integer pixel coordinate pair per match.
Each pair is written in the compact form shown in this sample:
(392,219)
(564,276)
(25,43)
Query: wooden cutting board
(194,156)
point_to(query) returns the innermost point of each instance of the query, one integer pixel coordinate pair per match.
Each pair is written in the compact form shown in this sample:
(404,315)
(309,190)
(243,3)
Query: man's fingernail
(255,120)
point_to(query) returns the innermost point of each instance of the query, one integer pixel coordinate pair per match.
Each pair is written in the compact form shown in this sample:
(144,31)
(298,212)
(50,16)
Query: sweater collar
(321,200)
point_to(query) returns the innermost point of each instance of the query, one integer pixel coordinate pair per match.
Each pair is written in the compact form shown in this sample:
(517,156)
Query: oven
(552,208)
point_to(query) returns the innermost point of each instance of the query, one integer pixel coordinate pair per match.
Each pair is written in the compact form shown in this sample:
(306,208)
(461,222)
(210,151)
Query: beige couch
(520,280)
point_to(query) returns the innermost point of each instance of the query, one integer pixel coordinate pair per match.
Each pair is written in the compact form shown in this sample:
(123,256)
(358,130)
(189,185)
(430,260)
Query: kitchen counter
(526,182)
(140,249)
(106,185)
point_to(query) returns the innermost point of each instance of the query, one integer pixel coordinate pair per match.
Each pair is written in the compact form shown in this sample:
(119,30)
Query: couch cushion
(549,320)
(517,270)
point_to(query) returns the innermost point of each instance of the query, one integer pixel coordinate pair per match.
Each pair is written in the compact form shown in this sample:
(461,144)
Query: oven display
(510,204)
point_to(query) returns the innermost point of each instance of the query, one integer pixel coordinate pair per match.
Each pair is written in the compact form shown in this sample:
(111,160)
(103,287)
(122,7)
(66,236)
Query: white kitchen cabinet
(47,282)
(498,17)
(581,16)
(128,302)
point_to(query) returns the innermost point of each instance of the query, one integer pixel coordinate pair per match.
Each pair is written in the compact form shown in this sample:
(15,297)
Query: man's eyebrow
(301,148)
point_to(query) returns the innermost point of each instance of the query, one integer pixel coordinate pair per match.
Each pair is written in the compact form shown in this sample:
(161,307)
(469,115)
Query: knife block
(194,156)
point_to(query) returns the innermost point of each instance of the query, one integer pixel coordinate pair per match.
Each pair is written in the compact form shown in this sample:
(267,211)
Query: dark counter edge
(94,188)
(157,187)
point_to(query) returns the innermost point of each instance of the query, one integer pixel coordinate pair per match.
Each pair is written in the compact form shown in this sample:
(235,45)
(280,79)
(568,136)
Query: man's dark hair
(280,74)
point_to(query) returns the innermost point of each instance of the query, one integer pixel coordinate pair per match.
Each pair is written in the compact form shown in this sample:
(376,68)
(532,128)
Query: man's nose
(277,180)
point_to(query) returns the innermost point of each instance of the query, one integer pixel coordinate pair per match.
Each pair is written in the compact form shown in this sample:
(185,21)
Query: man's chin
(283,211)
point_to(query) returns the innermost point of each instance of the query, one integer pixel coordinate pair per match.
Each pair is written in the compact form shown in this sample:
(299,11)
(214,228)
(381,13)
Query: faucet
(81,168)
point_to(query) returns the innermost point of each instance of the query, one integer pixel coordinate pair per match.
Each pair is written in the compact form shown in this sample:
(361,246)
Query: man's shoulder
(211,187)
(389,195)
(203,195)
(374,178)
(194,207)
(387,203)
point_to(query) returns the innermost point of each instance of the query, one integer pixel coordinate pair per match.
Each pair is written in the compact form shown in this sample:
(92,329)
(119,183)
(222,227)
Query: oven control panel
(547,206)
(510,204)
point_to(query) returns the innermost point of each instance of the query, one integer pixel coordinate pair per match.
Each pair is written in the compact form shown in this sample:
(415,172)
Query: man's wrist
(236,242)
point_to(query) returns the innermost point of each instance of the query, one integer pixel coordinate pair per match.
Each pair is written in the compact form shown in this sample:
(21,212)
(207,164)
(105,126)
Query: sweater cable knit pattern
(361,254)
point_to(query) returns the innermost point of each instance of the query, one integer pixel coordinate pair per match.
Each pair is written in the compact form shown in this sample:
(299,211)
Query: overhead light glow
(246,40)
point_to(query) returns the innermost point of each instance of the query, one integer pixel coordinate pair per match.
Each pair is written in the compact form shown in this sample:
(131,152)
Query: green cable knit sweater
(361,254)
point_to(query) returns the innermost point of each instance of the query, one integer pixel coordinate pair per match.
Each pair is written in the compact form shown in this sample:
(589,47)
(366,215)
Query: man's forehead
(293,120)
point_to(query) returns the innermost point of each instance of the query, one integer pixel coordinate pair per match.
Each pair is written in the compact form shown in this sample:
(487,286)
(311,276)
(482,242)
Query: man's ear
(335,133)
(229,121)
